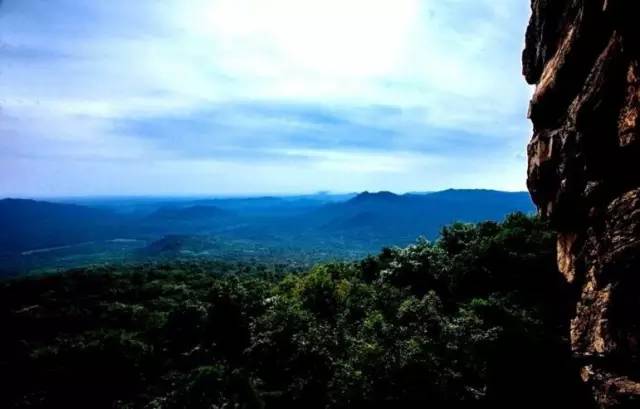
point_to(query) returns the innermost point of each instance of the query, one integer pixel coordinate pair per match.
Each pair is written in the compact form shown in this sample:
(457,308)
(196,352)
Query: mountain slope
(30,224)
(409,215)
(301,229)
(190,213)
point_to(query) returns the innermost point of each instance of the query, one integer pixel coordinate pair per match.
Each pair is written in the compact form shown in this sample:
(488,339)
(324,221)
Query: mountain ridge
(356,225)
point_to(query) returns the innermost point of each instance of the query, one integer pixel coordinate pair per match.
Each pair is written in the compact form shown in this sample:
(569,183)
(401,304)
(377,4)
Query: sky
(182,97)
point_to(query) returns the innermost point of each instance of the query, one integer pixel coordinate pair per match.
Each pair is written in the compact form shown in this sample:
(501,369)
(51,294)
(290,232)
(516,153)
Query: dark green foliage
(476,319)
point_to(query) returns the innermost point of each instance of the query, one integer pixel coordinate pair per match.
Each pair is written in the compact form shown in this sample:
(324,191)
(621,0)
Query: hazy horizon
(247,195)
(235,97)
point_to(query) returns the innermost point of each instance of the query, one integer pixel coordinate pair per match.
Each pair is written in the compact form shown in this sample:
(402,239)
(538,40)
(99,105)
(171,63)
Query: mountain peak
(368,196)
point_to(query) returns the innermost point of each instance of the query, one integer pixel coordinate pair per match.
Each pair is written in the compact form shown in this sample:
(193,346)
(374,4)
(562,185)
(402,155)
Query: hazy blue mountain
(246,205)
(401,217)
(189,213)
(311,227)
(275,205)
(30,224)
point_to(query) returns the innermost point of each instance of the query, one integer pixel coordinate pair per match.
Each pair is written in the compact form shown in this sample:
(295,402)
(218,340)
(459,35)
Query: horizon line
(238,195)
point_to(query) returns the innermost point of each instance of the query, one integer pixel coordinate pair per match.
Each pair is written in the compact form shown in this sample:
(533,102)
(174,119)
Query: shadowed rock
(584,175)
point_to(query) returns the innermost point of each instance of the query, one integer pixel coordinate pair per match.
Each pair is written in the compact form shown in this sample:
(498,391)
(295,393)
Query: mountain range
(45,233)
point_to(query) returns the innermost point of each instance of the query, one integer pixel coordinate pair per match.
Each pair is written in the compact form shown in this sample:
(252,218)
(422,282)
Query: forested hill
(475,320)
(31,224)
(305,229)
(404,217)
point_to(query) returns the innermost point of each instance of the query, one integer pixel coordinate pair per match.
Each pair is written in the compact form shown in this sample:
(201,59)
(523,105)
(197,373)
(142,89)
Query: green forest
(476,318)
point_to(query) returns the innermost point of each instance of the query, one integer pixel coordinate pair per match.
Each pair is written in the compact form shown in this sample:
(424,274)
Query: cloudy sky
(125,97)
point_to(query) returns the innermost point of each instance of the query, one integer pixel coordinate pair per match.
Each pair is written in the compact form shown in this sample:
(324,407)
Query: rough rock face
(584,175)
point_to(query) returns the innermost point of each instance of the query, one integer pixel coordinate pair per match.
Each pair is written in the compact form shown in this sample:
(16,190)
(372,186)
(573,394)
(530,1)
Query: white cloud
(357,39)
(72,69)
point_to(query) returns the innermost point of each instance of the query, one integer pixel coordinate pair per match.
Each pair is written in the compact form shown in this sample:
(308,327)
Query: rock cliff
(584,175)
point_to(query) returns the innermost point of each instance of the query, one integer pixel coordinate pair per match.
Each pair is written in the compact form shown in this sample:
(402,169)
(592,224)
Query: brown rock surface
(584,175)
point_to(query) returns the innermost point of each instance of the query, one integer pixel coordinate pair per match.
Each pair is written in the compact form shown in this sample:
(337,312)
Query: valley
(299,230)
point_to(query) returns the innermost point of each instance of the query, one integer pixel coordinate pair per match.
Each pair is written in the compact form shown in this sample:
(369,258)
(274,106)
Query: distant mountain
(273,205)
(401,217)
(189,213)
(379,197)
(240,226)
(30,224)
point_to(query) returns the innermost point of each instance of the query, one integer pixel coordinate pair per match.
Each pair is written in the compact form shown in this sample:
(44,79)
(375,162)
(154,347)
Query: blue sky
(173,97)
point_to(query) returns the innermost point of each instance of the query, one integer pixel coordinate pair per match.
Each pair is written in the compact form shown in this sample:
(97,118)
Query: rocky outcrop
(584,175)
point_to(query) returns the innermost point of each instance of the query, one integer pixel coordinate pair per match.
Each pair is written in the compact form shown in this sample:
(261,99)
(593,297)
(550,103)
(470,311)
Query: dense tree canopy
(475,319)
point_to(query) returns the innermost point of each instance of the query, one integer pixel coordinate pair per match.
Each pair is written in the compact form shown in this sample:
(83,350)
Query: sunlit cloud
(340,95)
